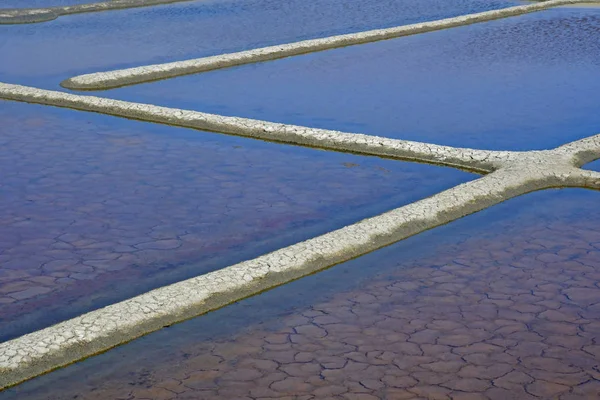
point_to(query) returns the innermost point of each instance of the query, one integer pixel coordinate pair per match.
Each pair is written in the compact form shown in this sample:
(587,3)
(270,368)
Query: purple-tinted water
(96,209)
(503,304)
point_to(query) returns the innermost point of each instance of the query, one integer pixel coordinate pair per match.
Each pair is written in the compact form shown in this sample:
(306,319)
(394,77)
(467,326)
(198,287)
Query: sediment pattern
(509,174)
(95,213)
(508,313)
(130,76)
(514,174)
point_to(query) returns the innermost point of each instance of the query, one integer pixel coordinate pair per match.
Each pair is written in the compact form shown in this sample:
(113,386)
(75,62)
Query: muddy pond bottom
(96,209)
(500,305)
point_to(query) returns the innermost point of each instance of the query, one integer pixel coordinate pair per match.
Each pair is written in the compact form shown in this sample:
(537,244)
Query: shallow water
(503,304)
(96,208)
(45,54)
(528,82)
(42,3)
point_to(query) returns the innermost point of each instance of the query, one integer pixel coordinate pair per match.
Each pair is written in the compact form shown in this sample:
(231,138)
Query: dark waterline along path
(97,209)
(521,83)
(43,55)
(503,304)
(40,3)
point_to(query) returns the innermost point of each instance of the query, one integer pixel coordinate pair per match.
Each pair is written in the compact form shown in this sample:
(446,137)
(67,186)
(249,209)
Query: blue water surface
(594,166)
(44,54)
(528,82)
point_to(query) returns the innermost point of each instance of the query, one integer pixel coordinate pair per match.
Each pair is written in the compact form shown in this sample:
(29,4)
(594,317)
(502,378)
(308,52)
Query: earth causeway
(253,199)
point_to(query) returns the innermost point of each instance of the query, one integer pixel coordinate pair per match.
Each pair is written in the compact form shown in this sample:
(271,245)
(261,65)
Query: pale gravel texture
(512,174)
(476,160)
(131,76)
(34,15)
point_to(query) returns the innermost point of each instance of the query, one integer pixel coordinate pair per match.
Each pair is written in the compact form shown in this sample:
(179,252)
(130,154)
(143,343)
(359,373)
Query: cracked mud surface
(479,339)
(506,306)
(93,201)
(514,174)
(523,67)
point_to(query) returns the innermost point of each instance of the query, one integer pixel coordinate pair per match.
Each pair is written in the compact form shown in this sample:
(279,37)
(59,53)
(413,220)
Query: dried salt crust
(512,174)
(508,174)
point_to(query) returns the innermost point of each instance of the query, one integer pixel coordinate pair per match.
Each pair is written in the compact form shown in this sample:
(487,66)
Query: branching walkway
(513,174)
(507,175)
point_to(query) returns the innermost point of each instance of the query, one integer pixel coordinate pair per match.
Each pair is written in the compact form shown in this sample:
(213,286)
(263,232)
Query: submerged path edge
(480,161)
(136,75)
(42,351)
(515,173)
(37,15)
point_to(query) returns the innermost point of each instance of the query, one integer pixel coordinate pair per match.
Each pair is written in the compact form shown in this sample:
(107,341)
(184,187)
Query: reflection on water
(520,83)
(95,209)
(44,54)
(500,305)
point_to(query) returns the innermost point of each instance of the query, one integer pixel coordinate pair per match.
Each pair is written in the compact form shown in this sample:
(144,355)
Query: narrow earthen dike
(512,174)
(506,175)
(35,15)
(130,76)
